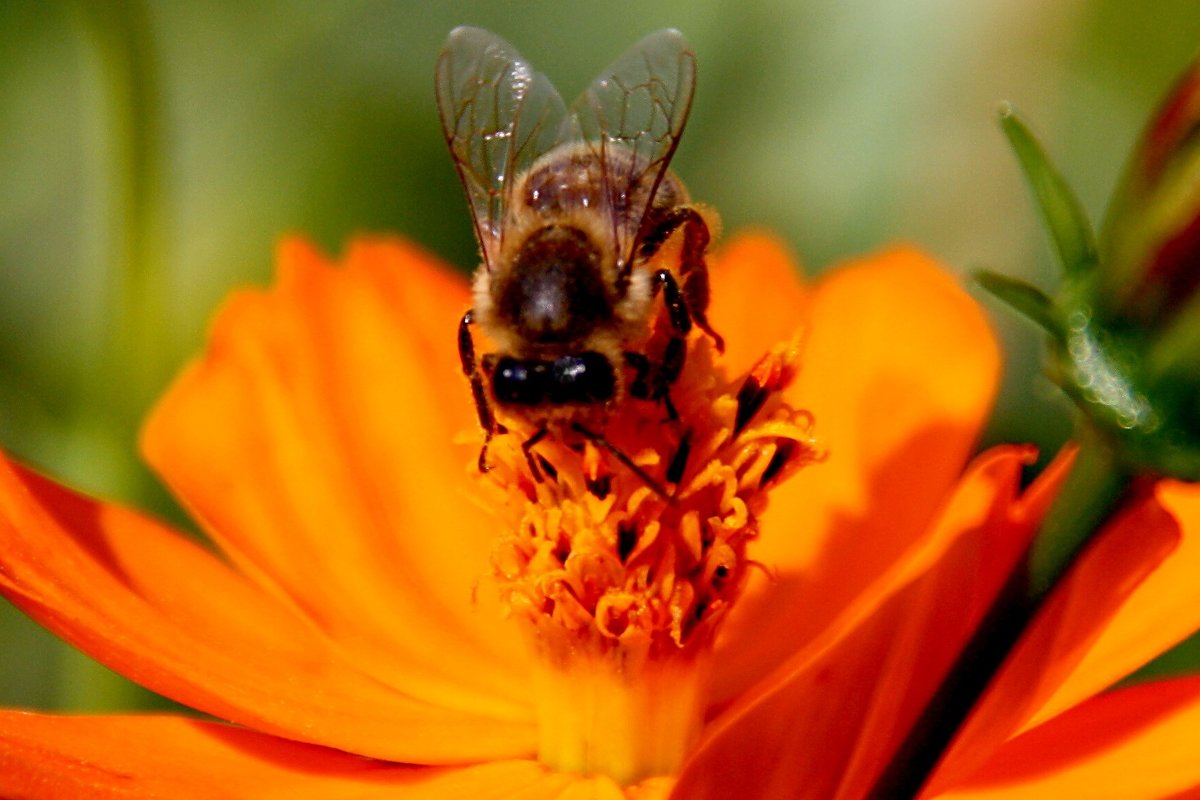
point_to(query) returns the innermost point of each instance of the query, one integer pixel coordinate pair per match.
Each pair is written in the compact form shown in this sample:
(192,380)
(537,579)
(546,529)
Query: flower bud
(1124,322)
(1151,241)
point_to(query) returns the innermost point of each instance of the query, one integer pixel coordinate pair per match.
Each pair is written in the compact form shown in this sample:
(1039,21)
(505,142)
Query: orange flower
(350,613)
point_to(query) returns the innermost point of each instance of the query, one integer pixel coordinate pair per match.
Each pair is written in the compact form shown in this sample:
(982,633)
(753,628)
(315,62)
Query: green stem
(115,389)
(1092,491)
(121,36)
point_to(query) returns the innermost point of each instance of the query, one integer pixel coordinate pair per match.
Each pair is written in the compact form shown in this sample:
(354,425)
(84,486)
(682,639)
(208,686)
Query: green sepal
(1026,299)
(1068,226)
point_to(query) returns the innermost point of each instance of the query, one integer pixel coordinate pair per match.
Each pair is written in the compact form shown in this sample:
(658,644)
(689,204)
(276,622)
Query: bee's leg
(642,368)
(667,371)
(674,300)
(600,440)
(693,269)
(527,448)
(466,355)
(651,381)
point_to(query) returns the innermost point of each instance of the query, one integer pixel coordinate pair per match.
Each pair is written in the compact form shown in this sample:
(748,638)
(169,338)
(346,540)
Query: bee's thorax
(555,292)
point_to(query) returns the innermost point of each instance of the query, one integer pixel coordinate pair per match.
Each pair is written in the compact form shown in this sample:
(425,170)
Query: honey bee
(569,207)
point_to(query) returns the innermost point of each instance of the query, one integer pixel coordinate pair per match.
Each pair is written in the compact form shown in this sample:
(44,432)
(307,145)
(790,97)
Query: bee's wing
(640,103)
(498,115)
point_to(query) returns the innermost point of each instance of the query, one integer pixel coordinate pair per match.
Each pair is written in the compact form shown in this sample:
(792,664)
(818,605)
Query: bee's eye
(520,383)
(583,378)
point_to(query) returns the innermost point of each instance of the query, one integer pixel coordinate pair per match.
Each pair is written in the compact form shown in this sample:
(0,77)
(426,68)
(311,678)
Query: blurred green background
(152,153)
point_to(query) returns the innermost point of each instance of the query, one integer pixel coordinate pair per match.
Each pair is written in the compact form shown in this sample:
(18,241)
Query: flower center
(624,546)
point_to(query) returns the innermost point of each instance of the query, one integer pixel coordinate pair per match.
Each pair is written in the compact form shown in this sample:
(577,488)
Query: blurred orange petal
(1160,612)
(899,371)
(312,441)
(158,608)
(1133,743)
(48,756)
(1130,550)
(758,298)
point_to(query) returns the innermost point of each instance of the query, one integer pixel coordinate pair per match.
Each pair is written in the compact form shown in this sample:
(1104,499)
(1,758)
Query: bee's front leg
(470,368)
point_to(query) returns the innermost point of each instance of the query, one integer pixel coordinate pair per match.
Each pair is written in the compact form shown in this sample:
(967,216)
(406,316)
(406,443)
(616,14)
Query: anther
(750,399)
(679,461)
(600,486)
(783,452)
(627,537)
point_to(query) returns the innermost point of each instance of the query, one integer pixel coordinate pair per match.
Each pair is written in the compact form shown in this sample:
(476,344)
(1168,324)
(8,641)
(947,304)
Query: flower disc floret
(622,572)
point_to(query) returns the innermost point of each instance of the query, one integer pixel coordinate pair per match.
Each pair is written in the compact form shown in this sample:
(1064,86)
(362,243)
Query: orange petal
(758,298)
(1160,612)
(43,756)
(1077,613)
(158,608)
(1139,742)
(858,687)
(899,371)
(313,442)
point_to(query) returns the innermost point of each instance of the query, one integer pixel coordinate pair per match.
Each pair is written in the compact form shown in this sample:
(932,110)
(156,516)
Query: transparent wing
(498,115)
(639,105)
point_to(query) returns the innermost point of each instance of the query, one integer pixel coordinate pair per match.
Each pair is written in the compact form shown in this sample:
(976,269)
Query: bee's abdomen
(554,293)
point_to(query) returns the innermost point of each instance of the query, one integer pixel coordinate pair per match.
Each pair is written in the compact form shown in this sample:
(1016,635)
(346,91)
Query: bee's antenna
(599,439)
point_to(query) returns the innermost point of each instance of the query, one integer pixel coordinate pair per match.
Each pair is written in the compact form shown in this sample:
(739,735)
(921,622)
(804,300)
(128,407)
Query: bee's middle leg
(656,380)
(693,269)
(653,381)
